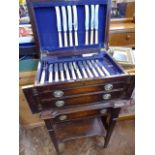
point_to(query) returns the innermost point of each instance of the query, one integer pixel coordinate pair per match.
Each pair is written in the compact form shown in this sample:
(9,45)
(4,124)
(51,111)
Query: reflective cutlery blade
(62,77)
(67,71)
(72,71)
(77,70)
(103,68)
(83,70)
(50,79)
(88,69)
(56,72)
(98,68)
(93,69)
(42,79)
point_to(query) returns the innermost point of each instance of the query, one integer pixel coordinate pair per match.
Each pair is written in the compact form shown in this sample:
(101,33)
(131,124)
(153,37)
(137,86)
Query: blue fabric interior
(45,24)
(45,20)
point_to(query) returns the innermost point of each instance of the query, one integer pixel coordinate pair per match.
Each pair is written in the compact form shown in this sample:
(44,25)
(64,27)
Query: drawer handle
(106,96)
(58,93)
(108,87)
(62,117)
(60,103)
(103,111)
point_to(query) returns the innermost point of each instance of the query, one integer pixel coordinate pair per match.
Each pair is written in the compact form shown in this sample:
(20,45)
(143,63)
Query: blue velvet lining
(45,20)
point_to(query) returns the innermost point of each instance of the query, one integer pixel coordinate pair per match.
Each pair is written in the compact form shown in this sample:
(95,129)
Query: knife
(98,68)
(59,29)
(75,24)
(56,72)
(72,71)
(67,71)
(82,69)
(70,22)
(77,70)
(88,70)
(50,79)
(61,72)
(93,69)
(64,19)
(96,23)
(42,79)
(92,24)
(103,68)
(86,24)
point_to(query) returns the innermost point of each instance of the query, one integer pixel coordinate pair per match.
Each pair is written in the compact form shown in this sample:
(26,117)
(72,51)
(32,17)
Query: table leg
(55,142)
(112,122)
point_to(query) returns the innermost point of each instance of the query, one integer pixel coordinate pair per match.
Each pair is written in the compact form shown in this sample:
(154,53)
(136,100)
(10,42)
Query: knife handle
(60,39)
(91,37)
(96,36)
(65,39)
(70,38)
(76,38)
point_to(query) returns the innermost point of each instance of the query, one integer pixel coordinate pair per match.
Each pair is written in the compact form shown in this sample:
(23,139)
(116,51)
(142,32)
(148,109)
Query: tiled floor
(37,142)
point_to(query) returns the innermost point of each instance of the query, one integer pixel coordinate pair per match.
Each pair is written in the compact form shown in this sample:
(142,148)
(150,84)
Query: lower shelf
(78,129)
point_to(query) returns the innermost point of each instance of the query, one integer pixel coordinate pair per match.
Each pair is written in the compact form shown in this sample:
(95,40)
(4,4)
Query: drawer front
(57,94)
(41,97)
(122,39)
(75,116)
(72,88)
(81,100)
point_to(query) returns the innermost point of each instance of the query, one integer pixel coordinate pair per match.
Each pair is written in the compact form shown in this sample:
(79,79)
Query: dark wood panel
(82,99)
(48,103)
(82,90)
(32,92)
(75,84)
(51,119)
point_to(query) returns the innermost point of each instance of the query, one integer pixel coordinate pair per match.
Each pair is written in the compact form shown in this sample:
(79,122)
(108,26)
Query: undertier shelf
(79,129)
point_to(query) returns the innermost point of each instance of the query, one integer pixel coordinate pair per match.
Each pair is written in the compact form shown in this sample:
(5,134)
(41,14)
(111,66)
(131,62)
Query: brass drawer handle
(60,103)
(103,111)
(58,93)
(108,87)
(62,117)
(106,96)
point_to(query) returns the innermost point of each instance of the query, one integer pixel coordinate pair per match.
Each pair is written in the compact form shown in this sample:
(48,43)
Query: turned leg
(112,122)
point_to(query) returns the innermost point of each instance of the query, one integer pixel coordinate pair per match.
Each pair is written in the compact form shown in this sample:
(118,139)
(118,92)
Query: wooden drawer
(71,88)
(80,100)
(80,112)
(62,94)
(122,38)
(64,117)
(41,97)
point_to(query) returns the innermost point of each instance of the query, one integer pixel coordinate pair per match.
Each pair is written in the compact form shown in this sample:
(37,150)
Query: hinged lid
(52,18)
